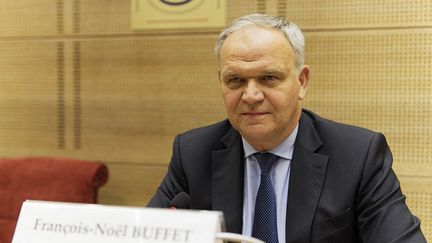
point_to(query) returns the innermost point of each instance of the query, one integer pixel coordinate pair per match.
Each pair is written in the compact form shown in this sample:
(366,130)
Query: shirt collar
(284,150)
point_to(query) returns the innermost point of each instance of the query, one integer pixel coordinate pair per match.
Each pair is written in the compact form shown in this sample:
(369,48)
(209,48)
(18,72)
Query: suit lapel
(227,181)
(306,180)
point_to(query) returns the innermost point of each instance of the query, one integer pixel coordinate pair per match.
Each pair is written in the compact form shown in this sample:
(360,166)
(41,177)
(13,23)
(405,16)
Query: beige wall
(75,81)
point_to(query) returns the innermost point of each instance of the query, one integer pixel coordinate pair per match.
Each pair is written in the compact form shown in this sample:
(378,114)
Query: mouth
(254,114)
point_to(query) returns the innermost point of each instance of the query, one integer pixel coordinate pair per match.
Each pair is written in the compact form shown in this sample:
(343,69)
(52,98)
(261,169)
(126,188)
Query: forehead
(256,45)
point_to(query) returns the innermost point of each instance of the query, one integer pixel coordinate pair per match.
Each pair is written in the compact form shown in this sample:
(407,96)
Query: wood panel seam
(60,96)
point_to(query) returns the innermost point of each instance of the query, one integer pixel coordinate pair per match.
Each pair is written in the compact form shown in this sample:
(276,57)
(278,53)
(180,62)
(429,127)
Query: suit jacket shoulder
(204,138)
(195,165)
(358,194)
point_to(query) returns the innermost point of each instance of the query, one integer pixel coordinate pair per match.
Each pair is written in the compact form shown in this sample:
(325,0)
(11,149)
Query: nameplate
(51,222)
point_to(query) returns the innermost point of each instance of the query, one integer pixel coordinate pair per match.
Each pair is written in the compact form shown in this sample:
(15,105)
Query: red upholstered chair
(49,179)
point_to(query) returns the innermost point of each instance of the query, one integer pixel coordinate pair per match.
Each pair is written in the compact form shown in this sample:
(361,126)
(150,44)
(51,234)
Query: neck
(264,146)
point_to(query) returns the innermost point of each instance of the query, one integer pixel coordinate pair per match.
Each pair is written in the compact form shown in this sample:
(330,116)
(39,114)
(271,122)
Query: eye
(234,82)
(269,77)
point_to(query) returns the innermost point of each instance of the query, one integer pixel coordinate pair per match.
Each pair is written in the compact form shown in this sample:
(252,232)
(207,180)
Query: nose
(252,93)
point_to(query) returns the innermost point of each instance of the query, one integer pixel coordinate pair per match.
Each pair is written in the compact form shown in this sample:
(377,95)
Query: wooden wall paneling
(276,7)
(131,184)
(242,7)
(379,80)
(29,100)
(419,200)
(103,17)
(138,93)
(31,18)
(363,14)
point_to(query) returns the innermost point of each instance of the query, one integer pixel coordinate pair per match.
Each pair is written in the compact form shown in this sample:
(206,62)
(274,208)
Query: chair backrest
(43,178)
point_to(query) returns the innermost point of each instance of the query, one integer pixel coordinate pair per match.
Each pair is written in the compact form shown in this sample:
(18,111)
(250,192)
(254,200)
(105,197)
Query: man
(326,182)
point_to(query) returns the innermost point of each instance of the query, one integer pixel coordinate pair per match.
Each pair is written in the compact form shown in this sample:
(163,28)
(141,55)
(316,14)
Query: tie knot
(266,161)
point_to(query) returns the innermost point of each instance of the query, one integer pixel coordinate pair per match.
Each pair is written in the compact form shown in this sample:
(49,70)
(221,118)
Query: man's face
(261,88)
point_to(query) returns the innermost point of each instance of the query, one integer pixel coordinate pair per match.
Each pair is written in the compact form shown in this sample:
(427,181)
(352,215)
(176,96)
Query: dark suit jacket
(341,189)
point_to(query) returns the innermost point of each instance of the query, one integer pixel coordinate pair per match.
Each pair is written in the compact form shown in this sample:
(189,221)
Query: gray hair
(291,31)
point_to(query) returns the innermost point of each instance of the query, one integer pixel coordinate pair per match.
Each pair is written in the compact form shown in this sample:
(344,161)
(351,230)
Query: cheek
(231,99)
(276,98)
(282,100)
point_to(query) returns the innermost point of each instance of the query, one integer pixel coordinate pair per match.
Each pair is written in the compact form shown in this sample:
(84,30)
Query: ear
(304,81)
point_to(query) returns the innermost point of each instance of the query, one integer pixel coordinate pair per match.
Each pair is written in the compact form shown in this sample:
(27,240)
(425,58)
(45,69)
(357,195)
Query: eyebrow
(229,74)
(274,71)
(270,71)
